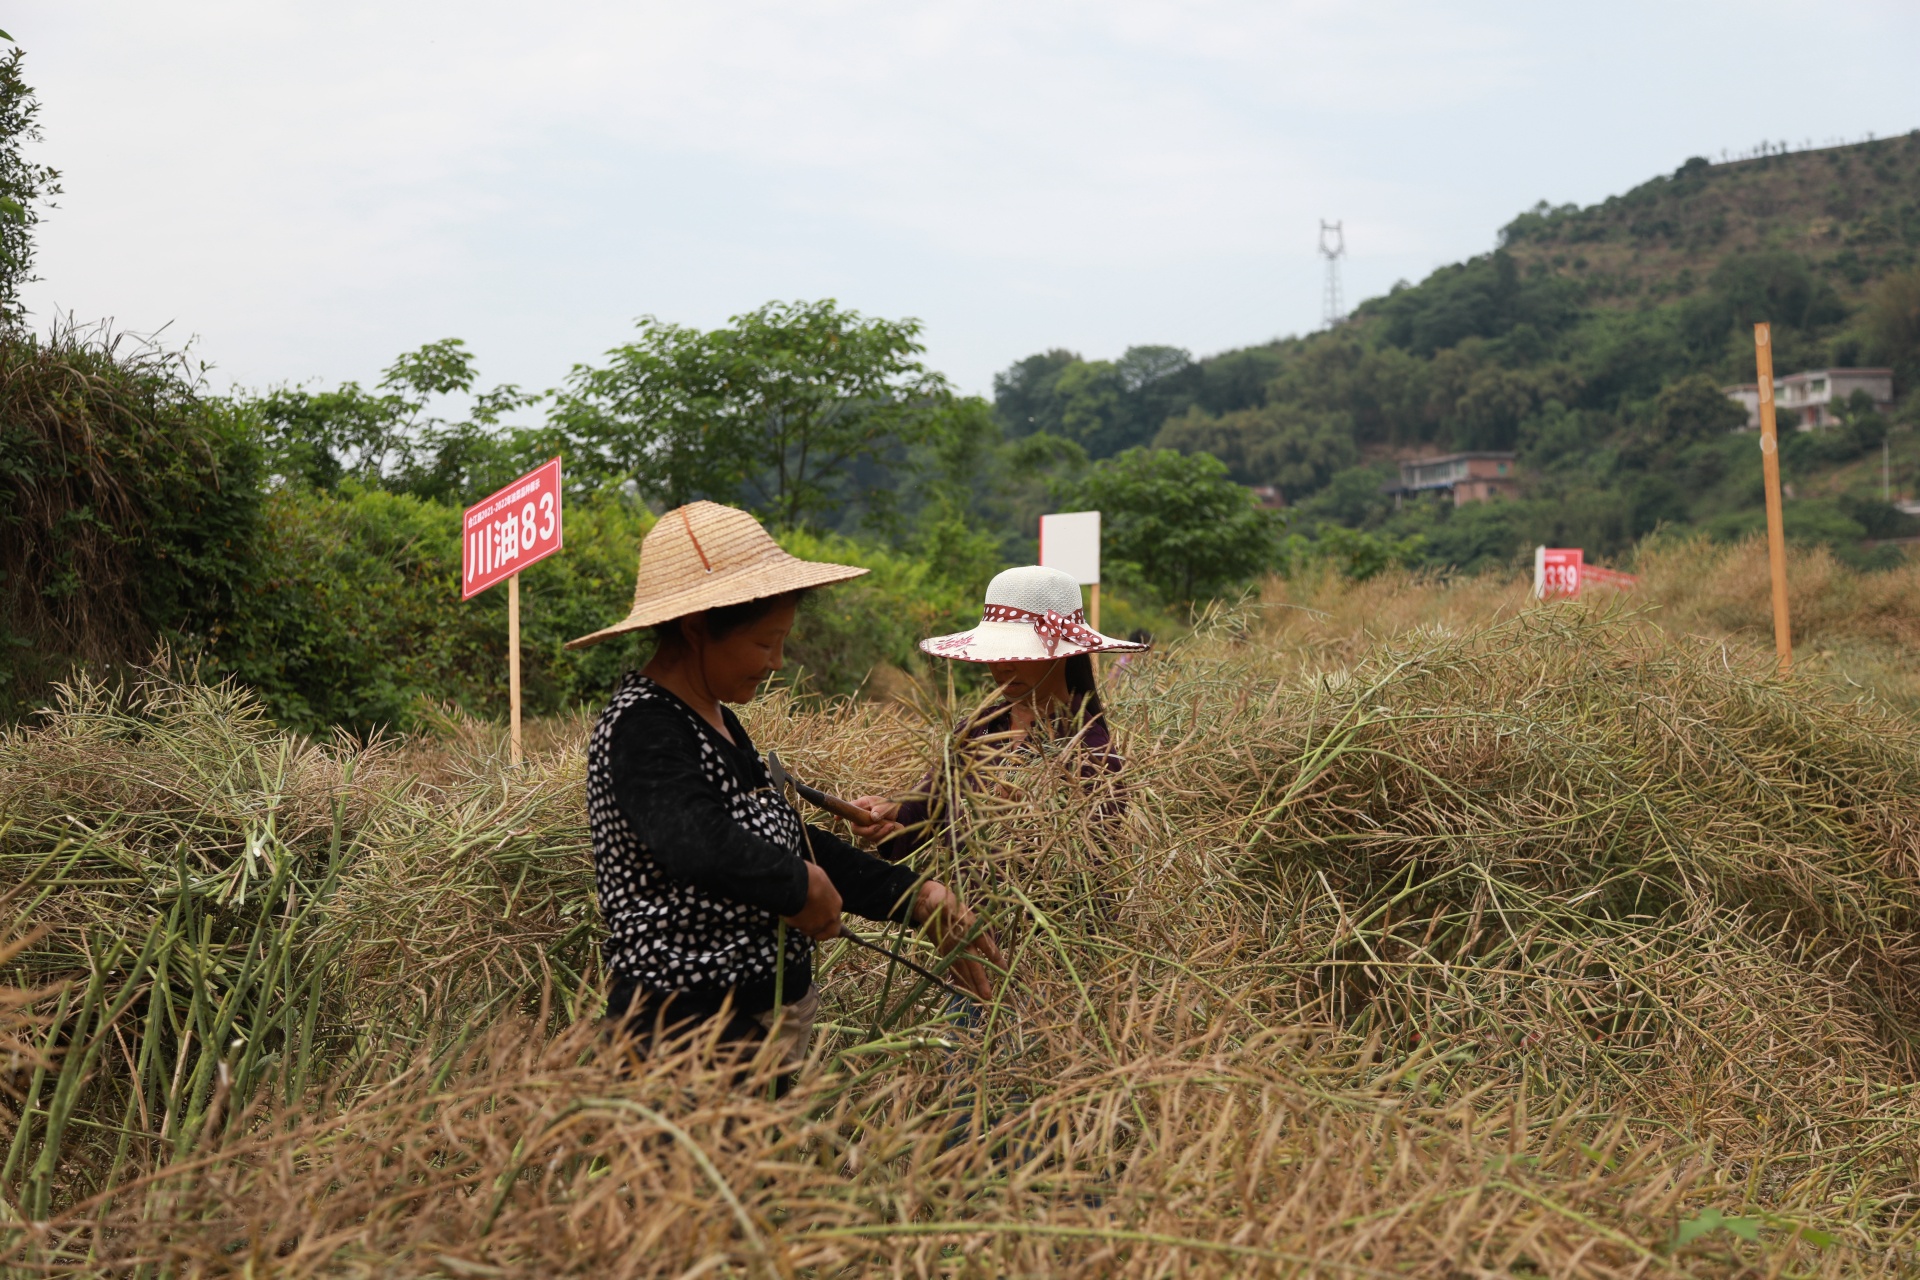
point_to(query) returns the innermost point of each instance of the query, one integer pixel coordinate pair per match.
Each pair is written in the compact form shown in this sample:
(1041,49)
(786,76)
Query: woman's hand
(948,919)
(883,826)
(819,917)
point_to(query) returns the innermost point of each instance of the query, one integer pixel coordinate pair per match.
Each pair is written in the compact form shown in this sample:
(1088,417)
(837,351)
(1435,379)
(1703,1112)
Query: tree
(386,438)
(1893,321)
(24,186)
(1483,297)
(1023,397)
(1294,450)
(1102,405)
(1159,382)
(1773,286)
(772,410)
(1094,412)
(1694,409)
(1178,521)
(1356,554)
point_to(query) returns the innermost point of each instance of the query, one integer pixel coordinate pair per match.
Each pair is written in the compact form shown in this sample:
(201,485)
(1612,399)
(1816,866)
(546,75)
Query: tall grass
(1553,943)
(1859,631)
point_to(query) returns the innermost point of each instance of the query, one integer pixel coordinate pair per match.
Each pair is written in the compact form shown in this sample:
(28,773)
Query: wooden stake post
(1770,465)
(513,668)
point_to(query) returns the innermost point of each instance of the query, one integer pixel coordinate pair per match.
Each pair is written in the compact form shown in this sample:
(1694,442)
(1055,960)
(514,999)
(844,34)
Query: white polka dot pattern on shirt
(666,933)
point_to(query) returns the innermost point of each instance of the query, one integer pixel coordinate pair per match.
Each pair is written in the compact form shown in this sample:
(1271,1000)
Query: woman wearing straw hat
(1033,636)
(712,888)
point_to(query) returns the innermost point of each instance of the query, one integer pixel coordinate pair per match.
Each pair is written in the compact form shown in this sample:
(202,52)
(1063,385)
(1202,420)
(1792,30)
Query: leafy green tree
(24,186)
(1236,379)
(1159,382)
(1294,450)
(1103,405)
(1893,323)
(1861,428)
(1484,297)
(1354,496)
(1773,286)
(1492,405)
(1482,535)
(1094,412)
(324,437)
(387,439)
(1023,396)
(1694,409)
(1355,554)
(774,410)
(968,499)
(353,616)
(1230,437)
(1178,521)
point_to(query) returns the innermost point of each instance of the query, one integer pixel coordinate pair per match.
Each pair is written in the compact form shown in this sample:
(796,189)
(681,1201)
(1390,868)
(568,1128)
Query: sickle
(832,804)
(853,813)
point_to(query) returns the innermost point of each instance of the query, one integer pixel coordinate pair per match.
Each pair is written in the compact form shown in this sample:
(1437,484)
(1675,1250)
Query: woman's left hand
(949,919)
(882,827)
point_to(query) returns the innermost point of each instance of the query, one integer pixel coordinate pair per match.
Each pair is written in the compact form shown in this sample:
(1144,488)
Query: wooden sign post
(513,668)
(1770,465)
(502,534)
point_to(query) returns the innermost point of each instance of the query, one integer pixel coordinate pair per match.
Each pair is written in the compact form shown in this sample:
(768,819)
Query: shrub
(1355,554)
(847,631)
(128,506)
(353,615)
(1178,521)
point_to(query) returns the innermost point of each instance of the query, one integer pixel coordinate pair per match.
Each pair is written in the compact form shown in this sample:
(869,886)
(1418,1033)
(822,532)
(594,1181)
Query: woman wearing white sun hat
(1033,636)
(712,888)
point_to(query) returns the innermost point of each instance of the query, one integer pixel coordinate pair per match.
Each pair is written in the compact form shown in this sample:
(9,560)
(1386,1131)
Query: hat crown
(1036,589)
(707,556)
(697,541)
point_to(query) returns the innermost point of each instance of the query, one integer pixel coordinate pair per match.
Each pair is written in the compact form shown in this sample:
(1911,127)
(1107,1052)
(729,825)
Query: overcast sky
(307,189)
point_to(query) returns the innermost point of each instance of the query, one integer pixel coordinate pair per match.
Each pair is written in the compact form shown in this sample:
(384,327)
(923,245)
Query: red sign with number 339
(511,529)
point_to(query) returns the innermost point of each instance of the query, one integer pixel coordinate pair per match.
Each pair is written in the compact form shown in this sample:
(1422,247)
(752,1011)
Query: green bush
(848,630)
(128,507)
(354,618)
(1353,553)
(1175,523)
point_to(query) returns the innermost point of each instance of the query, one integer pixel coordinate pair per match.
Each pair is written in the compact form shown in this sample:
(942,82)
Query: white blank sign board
(1070,542)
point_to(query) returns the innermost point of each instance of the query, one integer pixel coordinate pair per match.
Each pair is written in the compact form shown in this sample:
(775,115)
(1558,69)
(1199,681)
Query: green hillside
(1851,213)
(1593,342)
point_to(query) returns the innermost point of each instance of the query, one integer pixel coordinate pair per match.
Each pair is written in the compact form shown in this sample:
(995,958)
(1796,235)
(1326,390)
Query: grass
(1857,631)
(1444,934)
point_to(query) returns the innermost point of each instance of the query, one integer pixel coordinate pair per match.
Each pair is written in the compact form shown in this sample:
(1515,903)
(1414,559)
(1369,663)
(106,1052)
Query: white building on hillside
(1815,395)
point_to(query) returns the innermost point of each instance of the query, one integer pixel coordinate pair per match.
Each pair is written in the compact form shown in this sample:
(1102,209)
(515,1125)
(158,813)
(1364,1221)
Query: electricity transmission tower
(1333,247)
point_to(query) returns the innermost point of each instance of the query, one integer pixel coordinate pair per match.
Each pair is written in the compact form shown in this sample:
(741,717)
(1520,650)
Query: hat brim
(1016,642)
(718,592)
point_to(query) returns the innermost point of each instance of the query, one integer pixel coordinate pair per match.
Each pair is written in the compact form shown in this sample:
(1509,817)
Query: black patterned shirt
(697,857)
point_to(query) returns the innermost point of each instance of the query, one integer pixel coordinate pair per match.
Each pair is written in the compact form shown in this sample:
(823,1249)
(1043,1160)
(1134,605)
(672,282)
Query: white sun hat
(705,556)
(1031,614)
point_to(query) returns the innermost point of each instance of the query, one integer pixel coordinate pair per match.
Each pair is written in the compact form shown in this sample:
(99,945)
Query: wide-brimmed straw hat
(1031,614)
(705,556)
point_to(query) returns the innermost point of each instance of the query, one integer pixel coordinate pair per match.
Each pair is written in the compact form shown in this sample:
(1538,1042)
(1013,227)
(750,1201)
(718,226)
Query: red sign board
(504,533)
(1556,571)
(1562,571)
(1594,574)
